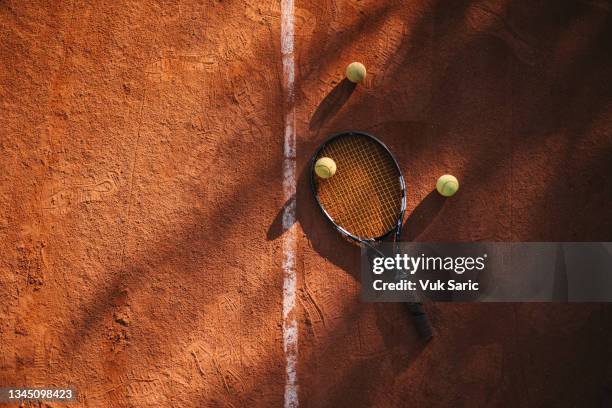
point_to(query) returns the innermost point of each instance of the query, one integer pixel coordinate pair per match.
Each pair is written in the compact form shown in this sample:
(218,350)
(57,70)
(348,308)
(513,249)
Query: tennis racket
(366,199)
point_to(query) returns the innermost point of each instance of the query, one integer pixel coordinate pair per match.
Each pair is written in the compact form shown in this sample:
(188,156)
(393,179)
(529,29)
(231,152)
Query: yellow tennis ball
(325,167)
(447,185)
(356,72)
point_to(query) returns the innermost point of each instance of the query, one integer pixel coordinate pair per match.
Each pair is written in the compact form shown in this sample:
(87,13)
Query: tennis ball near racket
(356,72)
(447,185)
(325,167)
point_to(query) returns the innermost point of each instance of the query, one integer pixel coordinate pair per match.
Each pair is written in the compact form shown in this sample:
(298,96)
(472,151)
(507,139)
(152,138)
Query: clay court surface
(142,199)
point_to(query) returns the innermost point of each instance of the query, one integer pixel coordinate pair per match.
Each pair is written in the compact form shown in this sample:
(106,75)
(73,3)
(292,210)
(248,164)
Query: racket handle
(421,321)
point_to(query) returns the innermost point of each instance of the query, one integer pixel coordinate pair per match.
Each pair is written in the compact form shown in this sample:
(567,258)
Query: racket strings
(371,161)
(364,196)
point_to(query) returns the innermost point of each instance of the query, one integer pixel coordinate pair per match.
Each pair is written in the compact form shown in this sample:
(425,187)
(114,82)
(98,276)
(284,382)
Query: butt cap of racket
(421,321)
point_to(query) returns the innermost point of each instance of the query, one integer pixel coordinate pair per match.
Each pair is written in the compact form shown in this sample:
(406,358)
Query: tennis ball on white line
(447,185)
(356,72)
(325,167)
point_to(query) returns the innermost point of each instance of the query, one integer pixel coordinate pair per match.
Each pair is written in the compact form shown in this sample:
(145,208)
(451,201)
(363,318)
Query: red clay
(141,193)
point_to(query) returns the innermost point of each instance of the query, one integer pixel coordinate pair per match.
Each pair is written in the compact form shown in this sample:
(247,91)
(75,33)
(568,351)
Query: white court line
(290,327)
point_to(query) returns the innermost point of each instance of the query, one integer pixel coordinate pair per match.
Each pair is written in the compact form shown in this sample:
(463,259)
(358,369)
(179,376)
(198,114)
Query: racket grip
(421,321)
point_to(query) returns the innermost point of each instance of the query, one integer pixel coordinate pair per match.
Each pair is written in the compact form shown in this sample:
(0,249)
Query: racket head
(366,199)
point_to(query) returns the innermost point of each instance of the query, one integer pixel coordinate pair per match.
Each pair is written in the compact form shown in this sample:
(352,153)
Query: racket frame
(369,241)
(416,308)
